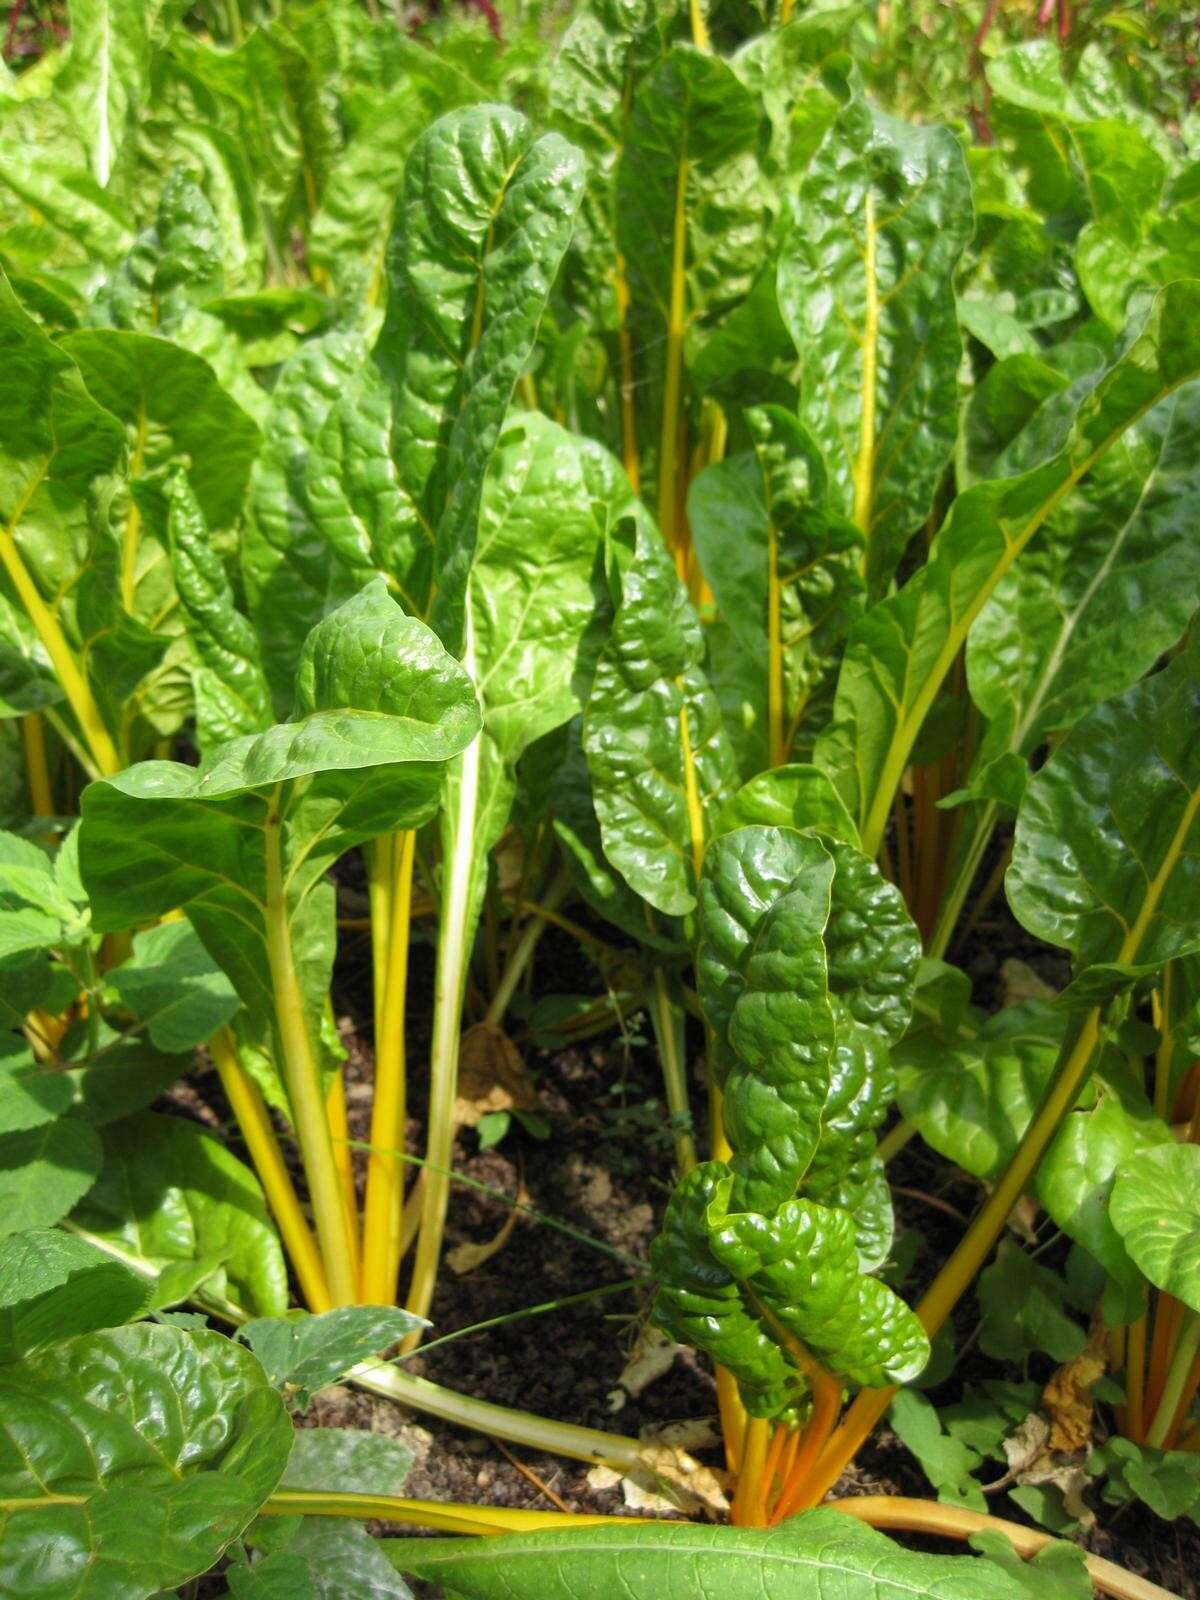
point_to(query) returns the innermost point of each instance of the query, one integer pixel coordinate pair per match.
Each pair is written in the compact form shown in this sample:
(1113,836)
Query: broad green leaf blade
(652,733)
(58,444)
(172,985)
(54,1286)
(784,570)
(291,577)
(171,1193)
(44,1171)
(1106,857)
(1022,1305)
(105,77)
(793,796)
(486,215)
(310,1352)
(1155,1207)
(380,707)
(901,651)
(30,1095)
(1075,1178)
(763,982)
(972,1099)
(325,1459)
(1054,639)
(232,693)
(279,1576)
(865,287)
(162,1446)
(819,1552)
(174,410)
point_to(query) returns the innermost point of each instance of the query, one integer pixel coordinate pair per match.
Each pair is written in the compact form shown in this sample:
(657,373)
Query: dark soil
(605,1170)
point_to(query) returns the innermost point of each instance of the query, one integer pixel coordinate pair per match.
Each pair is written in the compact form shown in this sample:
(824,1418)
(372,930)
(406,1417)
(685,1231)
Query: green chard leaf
(900,652)
(232,693)
(1107,845)
(652,733)
(171,1193)
(865,287)
(130,1459)
(54,1286)
(783,568)
(1155,1209)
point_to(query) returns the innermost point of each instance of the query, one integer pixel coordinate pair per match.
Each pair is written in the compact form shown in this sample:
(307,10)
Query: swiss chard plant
(641,484)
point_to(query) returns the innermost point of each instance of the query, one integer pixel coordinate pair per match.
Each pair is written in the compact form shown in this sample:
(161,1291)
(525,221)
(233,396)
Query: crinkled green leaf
(106,75)
(169,1192)
(865,286)
(485,218)
(793,796)
(1106,857)
(652,733)
(783,567)
(817,1552)
(163,1444)
(232,693)
(763,982)
(901,651)
(54,1286)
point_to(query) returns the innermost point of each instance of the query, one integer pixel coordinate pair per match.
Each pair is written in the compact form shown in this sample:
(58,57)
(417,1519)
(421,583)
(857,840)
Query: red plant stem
(14,16)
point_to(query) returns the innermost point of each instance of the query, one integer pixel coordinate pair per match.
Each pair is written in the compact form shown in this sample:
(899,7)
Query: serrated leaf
(309,1352)
(172,1193)
(1022,1303)
(173,986)
(45,1171)
(54,1286)
(815,1551)
(342,1561)
(163,1445)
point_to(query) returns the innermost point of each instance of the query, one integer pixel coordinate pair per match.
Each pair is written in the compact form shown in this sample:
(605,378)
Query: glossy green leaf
(380,707)
(106,75)
(161,1445)
(1155,1207)
(232,693)
(971,1099)
(485,218)
(865,287)
(308,1353)
(763,983)
(324,1459)
(44,1171)
(172,985)
(291,577)
(817,1551)
(793,796)
(1106,857)
(54,1286)
(901,651)
(169,1192)
(783,567)
(652,733)
(1075,1178)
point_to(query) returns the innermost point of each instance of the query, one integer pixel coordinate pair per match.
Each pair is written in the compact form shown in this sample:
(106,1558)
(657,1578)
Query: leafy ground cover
(597,652)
